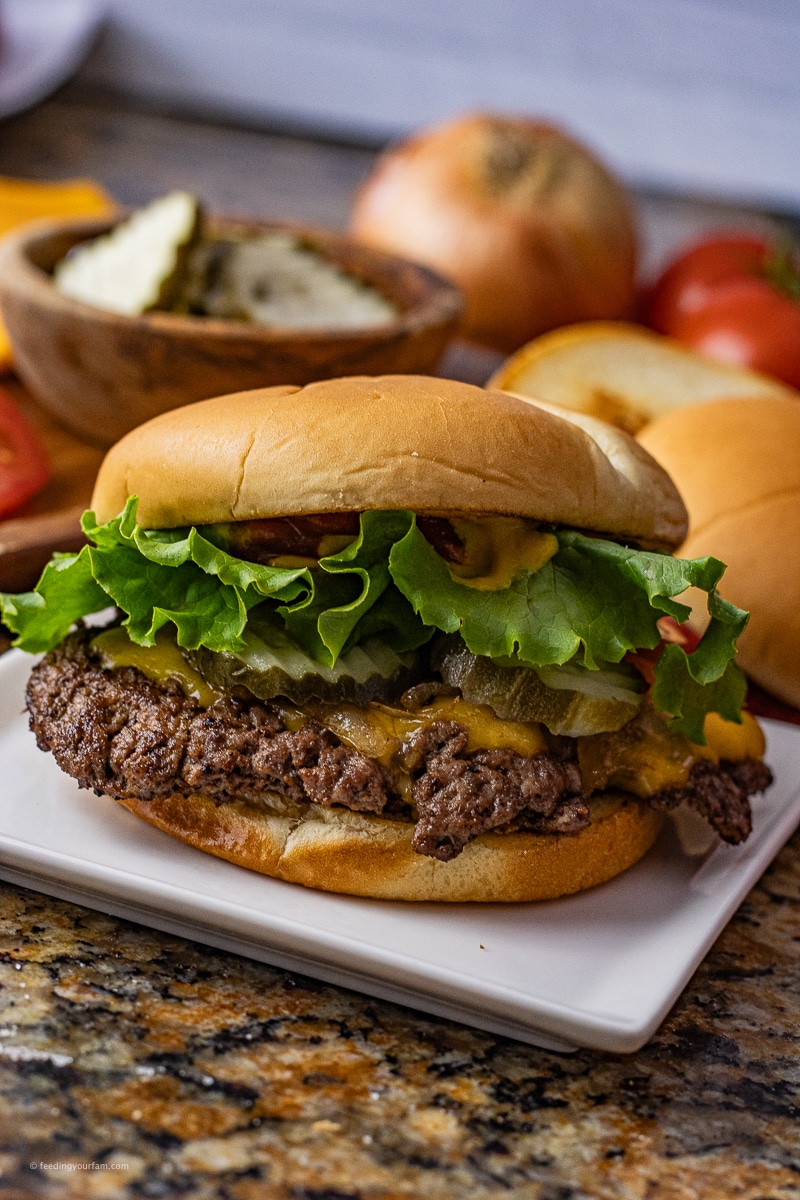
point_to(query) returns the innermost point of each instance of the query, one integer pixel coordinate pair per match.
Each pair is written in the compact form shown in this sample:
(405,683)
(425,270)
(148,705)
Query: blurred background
(699,96)
(691,95)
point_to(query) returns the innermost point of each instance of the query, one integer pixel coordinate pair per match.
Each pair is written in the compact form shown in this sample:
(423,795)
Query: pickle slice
(138,266)
(517,693)
(272,664)
(278,280)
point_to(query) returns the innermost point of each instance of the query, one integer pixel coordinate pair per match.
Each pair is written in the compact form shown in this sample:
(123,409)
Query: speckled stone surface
(137,1065)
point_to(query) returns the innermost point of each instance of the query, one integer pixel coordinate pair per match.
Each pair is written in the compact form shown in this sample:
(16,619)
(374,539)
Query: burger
(398,637)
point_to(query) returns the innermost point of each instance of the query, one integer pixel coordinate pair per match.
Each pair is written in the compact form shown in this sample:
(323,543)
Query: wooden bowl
(102,373)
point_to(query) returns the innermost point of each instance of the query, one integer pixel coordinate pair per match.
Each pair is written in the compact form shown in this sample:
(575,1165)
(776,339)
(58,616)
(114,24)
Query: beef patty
(121,734)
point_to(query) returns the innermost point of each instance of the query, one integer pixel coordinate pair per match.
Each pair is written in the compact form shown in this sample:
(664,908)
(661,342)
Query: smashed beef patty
(123,735)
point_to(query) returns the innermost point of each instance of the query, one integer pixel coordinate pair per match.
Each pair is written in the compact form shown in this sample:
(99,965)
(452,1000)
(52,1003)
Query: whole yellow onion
(531,226)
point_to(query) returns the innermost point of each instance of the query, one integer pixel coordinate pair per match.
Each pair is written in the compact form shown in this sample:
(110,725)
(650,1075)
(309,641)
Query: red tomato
(736,299)
(688,282)
(748,323)
(645,660)
(680,635)
(24,466)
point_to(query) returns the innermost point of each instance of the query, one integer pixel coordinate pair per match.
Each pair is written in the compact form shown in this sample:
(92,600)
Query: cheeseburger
(397,637)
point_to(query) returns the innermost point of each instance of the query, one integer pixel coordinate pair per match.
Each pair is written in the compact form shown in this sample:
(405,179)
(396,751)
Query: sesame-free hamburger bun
(737,465)
(396,441)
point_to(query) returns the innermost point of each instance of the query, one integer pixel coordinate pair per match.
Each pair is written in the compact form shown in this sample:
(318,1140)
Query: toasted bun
(737,464)
(341,851)
(393,442)
(531,226)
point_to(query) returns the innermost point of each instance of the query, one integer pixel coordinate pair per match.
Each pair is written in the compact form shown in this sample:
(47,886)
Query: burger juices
(400,637)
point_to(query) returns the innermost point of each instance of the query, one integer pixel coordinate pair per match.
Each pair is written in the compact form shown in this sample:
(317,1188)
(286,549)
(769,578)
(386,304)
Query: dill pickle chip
(278,280)
(517,693)
(272,664)
(139,265)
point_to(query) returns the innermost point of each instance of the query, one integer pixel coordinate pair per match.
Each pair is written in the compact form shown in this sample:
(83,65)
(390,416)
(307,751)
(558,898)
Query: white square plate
(601,969)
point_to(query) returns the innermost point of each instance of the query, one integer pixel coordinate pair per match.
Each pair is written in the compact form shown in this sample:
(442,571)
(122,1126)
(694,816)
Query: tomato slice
(747,323)
(689,281)
(645,660)
(24,465)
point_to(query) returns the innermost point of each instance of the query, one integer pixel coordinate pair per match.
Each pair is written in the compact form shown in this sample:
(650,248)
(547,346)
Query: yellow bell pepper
(23,200)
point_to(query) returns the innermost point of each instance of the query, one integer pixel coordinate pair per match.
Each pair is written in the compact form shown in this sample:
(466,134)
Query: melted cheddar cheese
(160,663)
(646,756)
(727,740)
(382,732)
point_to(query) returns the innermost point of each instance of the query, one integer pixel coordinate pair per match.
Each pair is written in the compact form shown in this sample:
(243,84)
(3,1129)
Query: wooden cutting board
(51,520)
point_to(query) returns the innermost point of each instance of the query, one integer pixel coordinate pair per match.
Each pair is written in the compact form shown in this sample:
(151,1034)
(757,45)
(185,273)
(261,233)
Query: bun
(624,374)
(530,225)
(339,851)
(398,441)
(737,464)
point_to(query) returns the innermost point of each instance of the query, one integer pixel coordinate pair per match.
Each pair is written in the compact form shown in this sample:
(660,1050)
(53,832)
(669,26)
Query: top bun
(737,464)
(397,441)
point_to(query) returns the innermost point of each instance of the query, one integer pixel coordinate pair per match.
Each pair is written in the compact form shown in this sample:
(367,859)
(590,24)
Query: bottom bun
(336,850)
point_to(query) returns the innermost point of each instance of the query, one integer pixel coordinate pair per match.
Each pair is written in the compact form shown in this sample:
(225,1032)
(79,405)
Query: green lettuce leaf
(590,604)
(178,576)
(181,576)
(347,587)
(690,685)
(66,592)
(393,619)
(153,576)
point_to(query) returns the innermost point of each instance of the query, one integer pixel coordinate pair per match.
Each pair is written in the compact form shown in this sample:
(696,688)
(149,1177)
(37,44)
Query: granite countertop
(177,1070)
(136,1064)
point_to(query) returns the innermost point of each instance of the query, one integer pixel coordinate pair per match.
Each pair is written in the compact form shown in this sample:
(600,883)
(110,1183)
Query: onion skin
(532,228)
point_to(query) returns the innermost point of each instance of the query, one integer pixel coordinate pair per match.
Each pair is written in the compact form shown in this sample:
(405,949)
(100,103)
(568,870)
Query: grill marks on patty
(119,733)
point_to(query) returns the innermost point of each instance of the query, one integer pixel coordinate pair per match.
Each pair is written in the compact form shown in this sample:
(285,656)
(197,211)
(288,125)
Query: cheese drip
(160,663)
(646,756)
(382,732)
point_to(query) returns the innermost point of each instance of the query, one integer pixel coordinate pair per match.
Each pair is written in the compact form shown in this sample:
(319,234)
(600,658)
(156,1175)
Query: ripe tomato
(24,466)
(645,660)
(688,282)
(749,324)
(736,300)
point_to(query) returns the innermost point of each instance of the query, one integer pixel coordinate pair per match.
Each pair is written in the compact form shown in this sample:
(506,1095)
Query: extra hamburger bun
(737,465)
(531,226)
(337,850)
(399,442)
